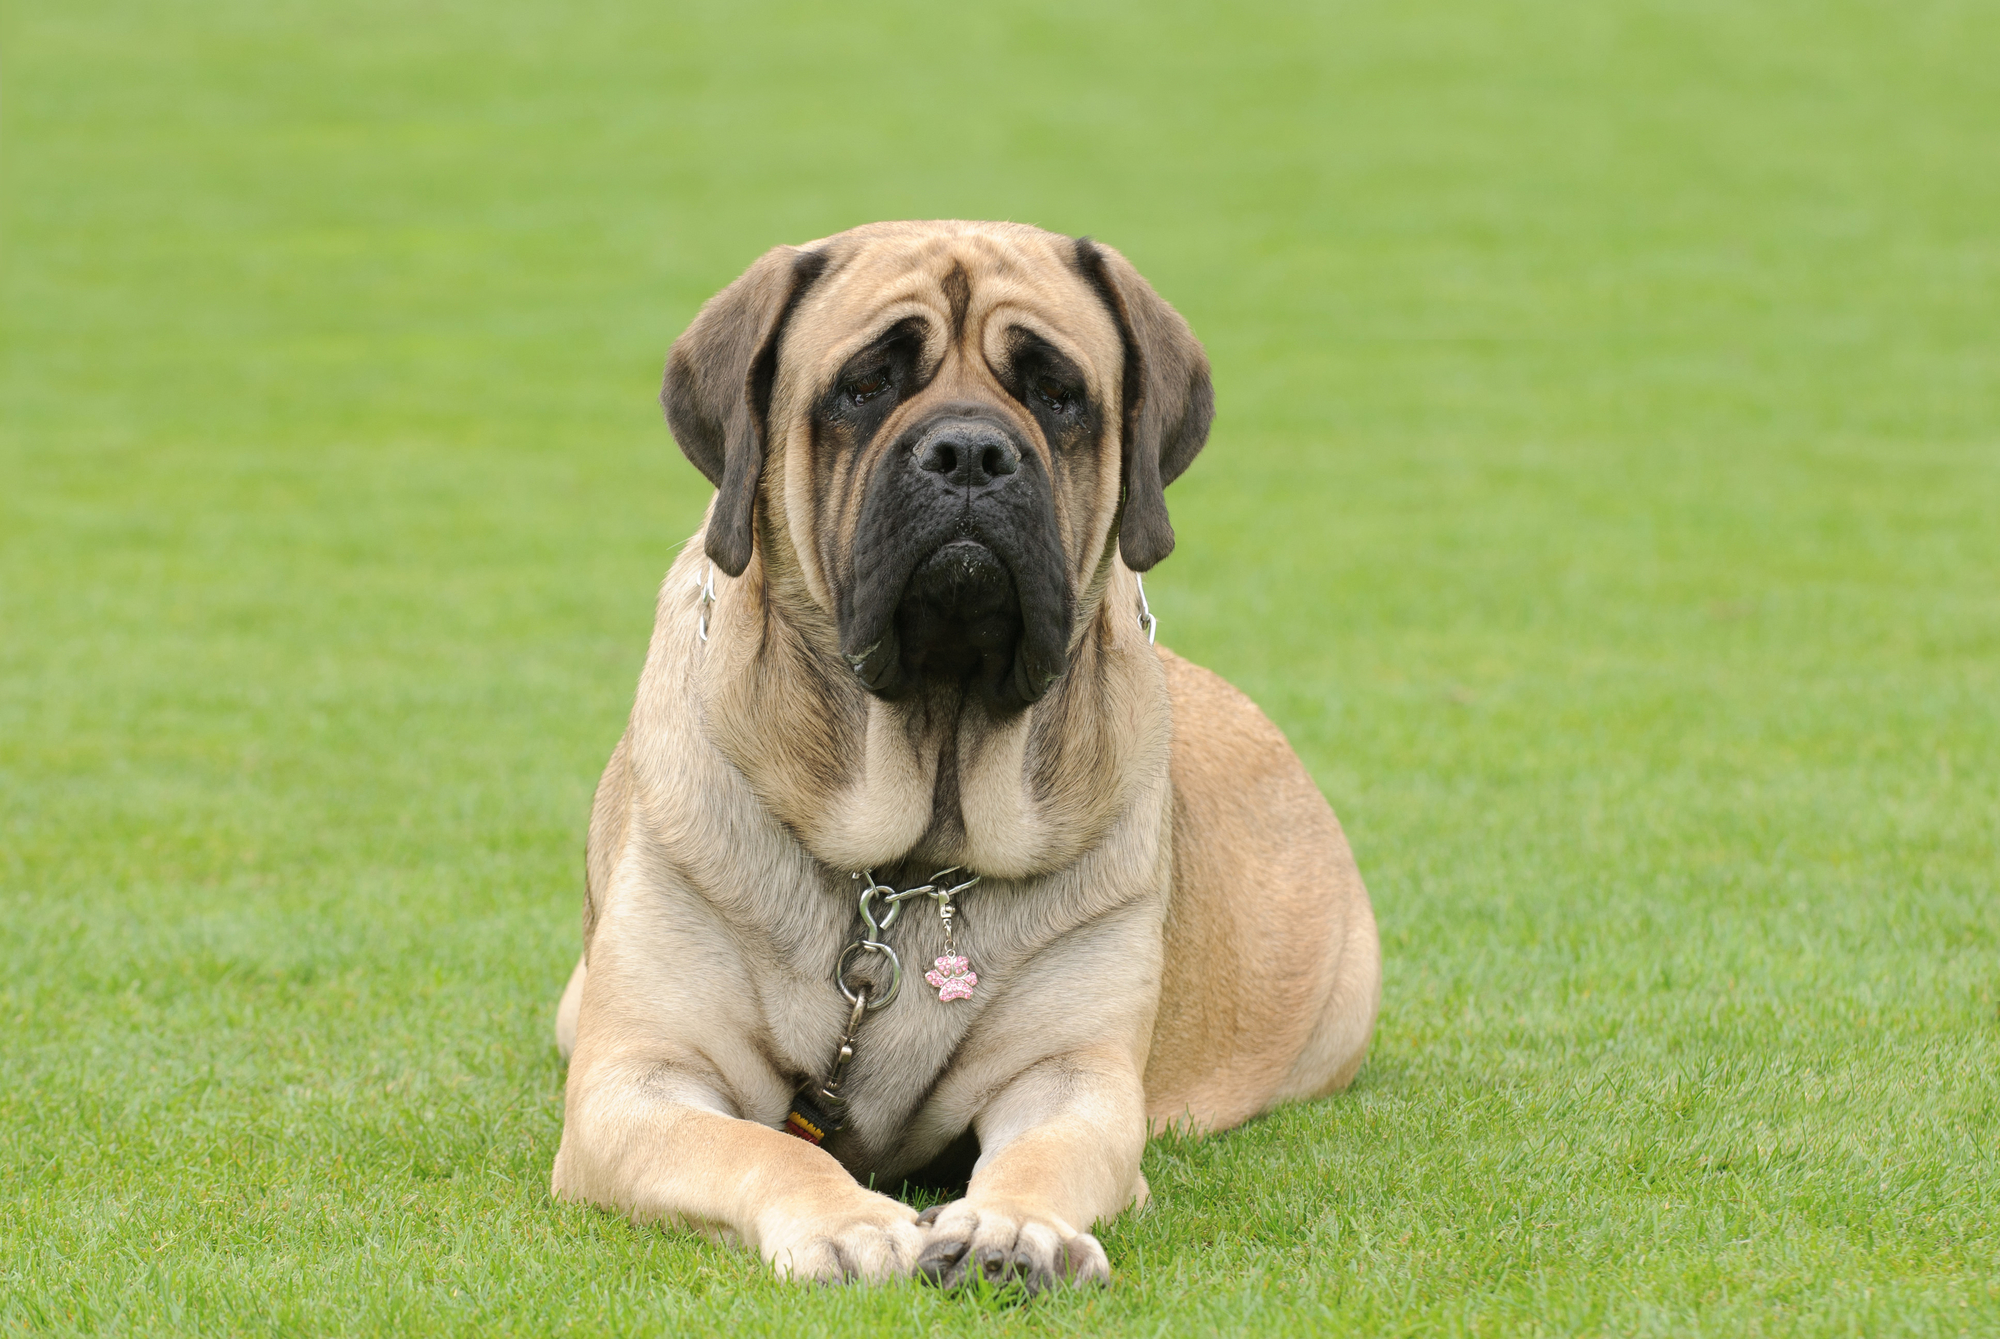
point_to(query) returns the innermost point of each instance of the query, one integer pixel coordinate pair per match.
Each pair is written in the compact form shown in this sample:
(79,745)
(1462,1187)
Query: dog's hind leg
(1339,1039)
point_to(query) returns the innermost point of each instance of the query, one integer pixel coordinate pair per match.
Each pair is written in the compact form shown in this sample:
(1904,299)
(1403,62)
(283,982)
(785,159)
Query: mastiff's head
(943,429)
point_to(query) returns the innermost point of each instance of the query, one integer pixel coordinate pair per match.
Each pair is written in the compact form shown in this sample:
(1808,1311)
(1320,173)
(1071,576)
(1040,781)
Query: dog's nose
(968,452)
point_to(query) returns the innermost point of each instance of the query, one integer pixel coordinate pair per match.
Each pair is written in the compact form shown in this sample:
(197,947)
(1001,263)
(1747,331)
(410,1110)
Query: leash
(819,1109)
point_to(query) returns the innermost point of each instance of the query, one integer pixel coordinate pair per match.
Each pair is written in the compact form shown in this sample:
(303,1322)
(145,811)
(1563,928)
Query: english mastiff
(917,857)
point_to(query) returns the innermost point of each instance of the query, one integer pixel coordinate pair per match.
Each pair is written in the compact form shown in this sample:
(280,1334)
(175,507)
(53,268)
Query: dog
(902,706)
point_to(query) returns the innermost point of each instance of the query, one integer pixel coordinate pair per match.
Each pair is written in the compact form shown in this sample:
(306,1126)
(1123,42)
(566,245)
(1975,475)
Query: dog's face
(942,407)
(944,426)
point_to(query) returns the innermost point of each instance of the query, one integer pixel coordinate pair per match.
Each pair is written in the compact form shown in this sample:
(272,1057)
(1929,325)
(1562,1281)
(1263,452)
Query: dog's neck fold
(933,778)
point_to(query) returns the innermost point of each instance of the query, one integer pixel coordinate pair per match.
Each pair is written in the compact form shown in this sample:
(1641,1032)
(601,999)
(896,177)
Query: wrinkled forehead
(971,286)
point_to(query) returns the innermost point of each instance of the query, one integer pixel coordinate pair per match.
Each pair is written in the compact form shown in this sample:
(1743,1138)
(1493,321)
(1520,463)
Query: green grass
(1603,500)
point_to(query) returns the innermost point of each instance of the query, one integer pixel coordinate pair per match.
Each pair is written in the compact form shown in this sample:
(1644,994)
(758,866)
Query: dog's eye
(867,386)
(1050,391)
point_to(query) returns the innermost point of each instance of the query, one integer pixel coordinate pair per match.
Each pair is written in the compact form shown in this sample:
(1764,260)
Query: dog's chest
(904,1051)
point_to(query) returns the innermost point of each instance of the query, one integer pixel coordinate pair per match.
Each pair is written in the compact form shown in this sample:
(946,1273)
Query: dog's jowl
(916,851)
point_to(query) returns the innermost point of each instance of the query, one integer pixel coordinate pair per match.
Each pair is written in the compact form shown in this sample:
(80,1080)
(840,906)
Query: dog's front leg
(1060,1148)
(648,1140)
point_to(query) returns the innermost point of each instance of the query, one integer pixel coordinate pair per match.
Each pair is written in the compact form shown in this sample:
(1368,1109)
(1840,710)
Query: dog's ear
(1169,400)
(718,390)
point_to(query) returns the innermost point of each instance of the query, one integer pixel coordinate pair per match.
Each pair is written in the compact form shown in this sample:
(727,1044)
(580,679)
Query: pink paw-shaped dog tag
(954,978)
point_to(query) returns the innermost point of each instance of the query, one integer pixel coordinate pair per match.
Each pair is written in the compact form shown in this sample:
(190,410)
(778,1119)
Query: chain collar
(705,587)
(819,1109)
(870,939)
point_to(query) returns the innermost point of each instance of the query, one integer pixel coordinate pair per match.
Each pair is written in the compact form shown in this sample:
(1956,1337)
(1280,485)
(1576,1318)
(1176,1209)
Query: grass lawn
(1605,500)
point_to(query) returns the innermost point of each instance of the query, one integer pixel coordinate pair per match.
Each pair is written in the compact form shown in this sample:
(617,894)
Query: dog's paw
(866,1243)
(1006,1245)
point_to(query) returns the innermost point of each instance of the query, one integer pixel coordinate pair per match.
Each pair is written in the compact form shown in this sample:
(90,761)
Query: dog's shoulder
(1221,738)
